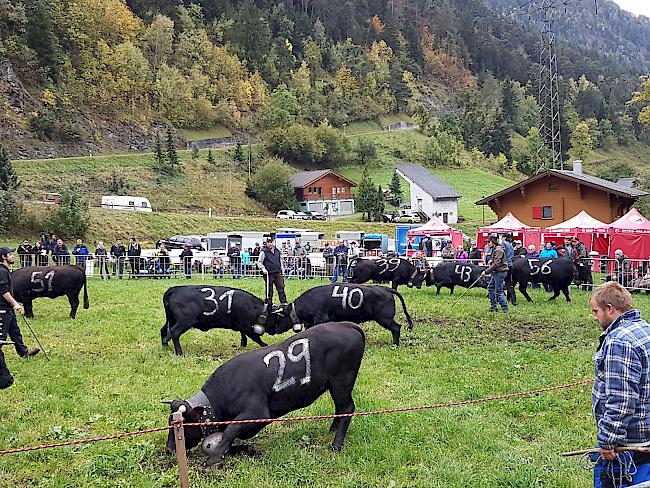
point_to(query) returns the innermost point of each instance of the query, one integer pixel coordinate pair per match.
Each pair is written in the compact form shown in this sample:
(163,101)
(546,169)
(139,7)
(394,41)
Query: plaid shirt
(621,394)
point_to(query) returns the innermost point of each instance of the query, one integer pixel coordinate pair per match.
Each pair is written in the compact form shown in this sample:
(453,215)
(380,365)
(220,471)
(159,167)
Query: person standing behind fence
(60,253)
(474,254)
(40,254)
(341,267)
(217,265)
(300,260)
(270,263)
(186,258)
(461,254)
(25,254)
(328,256)
(134,253)
(102,260)
(80,251)
(118,252)
(621,392)
(234,256)
(163,263)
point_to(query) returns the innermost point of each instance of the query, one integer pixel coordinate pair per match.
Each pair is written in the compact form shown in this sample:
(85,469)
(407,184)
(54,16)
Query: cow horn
(166,402)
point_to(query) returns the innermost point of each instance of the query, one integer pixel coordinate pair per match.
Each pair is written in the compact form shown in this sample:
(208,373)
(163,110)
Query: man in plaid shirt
(621,393)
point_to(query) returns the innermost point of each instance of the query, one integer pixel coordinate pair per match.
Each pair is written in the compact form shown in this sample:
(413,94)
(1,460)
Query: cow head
(193,435)
(285,319)
(429,279)
(417,278)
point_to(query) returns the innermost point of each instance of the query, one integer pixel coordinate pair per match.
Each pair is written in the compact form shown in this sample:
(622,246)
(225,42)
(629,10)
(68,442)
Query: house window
(547,212)
(553,187)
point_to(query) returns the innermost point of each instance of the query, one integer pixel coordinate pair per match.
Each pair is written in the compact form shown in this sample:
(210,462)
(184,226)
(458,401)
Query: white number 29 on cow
(280,383)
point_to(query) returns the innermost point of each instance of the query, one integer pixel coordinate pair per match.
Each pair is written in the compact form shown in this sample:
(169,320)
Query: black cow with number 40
(398,271)
(356,303)
(211,307)
(270,382)
(49,282)
(558,273)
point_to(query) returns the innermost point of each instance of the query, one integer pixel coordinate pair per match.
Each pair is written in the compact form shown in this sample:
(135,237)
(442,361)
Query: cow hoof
(336,448)
(215,462)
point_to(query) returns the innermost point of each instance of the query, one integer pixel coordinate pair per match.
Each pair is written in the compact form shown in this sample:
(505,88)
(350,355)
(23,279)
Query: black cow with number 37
(398,271)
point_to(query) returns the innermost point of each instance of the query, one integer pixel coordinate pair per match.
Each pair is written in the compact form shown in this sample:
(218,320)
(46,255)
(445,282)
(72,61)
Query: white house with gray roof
(429,194)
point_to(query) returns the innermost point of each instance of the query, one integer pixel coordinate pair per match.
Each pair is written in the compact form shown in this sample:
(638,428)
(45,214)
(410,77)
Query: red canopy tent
(520,231)
(593,233)
(436,227)
(631,234)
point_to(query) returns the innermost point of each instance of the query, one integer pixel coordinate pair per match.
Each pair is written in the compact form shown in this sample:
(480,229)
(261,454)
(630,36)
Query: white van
(126,202)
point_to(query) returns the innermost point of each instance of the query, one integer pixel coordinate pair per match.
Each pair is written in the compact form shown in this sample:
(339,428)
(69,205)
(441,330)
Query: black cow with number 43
(558,273)
(356,303)
(49,282)
(398,271)
(211,307)
(270,382)
(456,273)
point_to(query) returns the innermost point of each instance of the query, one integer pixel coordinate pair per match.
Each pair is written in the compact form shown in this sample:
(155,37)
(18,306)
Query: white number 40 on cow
(280,383)
(347,295)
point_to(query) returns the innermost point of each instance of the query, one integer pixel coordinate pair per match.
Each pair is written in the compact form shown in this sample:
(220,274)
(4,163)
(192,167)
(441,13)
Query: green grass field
(213,132)
(108,371)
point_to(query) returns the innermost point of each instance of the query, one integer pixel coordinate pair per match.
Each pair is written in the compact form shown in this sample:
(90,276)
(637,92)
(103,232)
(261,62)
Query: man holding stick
(499,270)
(621,392)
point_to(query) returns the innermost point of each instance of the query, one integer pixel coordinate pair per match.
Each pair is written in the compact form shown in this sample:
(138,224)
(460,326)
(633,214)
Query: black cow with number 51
(49,282)
(456,273)
(270,382)
(211,307)
(356,303)
(398,271)
(559,273)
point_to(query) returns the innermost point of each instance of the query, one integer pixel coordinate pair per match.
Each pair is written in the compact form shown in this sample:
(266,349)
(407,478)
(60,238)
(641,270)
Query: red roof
(631,222)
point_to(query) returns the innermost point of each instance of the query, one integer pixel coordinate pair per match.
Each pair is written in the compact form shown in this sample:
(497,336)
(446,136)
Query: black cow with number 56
(356,303)
(456,273)
(556,272)
(398,271)
(213,307)
(49,282)
(270,382)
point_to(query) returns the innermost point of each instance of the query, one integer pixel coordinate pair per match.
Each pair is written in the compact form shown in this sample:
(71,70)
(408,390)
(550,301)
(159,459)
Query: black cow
(211,307)
(396,270)
(270,382)
(51,282)
(356,303)
(556,272)
(456,273)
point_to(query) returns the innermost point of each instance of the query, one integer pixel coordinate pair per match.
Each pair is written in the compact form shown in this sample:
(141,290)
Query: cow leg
(244,340)
(257,339)
(175,332)
(524,292)
(73,298)
(438,289)
(341,392)
(394,329)
(165,336)
(556,291)
(565,290)
(394,285)
(241,431)
(451,289)
(29,308)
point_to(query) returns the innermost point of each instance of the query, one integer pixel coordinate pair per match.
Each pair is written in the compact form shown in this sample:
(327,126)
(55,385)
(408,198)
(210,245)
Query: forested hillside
(80,76)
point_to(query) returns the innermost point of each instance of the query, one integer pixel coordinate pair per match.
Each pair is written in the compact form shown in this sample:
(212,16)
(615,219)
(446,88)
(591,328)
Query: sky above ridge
(638,7)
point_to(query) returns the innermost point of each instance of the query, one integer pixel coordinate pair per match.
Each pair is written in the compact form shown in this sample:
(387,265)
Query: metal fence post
(179,439)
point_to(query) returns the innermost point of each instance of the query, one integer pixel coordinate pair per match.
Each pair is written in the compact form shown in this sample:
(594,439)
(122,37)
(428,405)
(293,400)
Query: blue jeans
(495,291)
(340,270)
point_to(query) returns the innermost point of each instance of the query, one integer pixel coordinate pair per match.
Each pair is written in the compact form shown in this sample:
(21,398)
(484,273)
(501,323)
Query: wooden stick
(181,455)
(616,449)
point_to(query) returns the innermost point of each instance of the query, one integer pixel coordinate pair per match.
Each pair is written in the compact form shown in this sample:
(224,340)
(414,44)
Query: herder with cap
(8,322)
(270,263)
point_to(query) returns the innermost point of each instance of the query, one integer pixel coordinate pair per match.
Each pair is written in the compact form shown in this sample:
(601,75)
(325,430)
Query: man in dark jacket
(186,259)
(509,250)
(499,271)
(474,254)
(134,253)
(426,245)
(8,323)
(270,263)
(234,256)
(341,268)
(25,254)
(118,251)
(60,253)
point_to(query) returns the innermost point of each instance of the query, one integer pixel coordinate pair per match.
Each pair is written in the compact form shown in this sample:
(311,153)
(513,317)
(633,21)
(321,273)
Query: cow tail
(169,315)
(86,301)
(401,299)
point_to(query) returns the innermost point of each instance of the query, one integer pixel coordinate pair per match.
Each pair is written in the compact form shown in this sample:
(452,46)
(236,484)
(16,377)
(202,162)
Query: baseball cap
(6,250)
(270,239)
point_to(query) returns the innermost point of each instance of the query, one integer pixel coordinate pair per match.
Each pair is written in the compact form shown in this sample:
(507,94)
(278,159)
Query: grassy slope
(107,373)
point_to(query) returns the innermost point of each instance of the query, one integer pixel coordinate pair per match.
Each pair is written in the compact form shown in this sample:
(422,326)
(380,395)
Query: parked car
(301,216)
(315,215)
(408,218)
(177,242)
(286,214)
(388,218)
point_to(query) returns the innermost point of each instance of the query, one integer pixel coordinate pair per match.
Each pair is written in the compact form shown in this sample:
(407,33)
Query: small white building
(429,194)
(126,202)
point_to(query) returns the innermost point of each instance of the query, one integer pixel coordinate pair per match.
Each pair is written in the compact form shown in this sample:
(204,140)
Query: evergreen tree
(195,152)
(172,155)
(159,154)
(496,137)
(71,217)
(380,205)
(238,154)
(210,158)
(581,142)
(8,178)
(396,189)
(509,103)
(366,196)
(41,37)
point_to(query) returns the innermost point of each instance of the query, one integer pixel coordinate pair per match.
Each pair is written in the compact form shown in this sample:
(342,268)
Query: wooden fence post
(179,439)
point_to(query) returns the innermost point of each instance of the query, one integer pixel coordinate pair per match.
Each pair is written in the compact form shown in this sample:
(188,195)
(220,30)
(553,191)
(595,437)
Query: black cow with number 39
(398,271)
(356,303)
(270,382)
(211,307)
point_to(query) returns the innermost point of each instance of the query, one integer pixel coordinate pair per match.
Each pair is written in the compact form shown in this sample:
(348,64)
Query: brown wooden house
(324,191)
(554,196)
